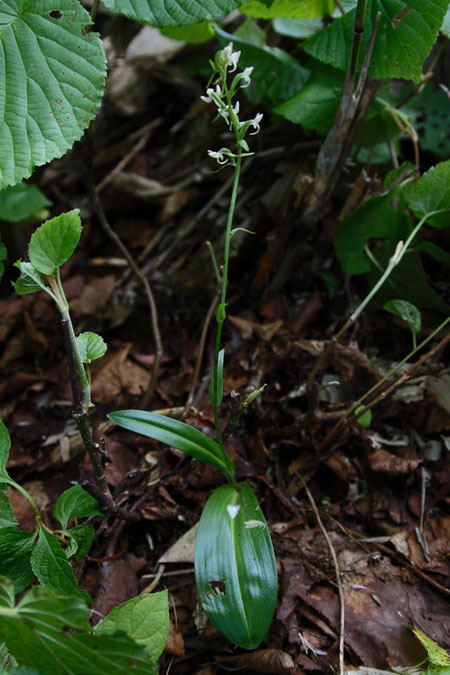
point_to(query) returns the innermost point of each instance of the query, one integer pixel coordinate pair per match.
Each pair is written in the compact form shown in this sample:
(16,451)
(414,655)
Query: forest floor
(379,492)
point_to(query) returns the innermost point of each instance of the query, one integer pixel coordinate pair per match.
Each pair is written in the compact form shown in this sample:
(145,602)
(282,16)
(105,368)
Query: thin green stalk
(223,296)
(358,29)
(25,494)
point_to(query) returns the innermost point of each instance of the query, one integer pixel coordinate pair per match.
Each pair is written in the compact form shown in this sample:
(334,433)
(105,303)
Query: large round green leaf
(51,82)
(172,12)
(235,567)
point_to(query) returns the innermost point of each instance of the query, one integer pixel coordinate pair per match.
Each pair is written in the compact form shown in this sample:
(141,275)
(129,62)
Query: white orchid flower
(255,123)
(218,156)
(245,77)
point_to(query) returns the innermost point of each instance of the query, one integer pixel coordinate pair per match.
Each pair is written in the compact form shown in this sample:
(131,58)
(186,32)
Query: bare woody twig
(337,573)
(98,208)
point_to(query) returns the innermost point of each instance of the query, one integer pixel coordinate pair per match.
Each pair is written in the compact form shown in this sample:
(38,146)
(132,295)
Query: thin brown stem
(336,570)
(98,208)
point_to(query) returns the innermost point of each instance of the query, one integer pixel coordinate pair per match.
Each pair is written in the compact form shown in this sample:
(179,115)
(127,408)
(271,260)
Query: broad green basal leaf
(432,193)
(51,82)
(175,433)
(405,36)
(54,242)
(235,567)
(407,312)
(172,12)
(145,619)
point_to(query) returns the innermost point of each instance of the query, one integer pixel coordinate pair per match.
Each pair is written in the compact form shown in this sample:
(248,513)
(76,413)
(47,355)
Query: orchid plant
(234,560)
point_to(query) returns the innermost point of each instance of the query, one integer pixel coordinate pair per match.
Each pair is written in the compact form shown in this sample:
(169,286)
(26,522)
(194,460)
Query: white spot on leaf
(233,510)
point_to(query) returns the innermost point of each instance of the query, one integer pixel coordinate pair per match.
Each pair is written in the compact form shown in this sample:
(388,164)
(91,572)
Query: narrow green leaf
(50,565)
(407,312)
(365,419)
(235,567)
(6,513)
(405,36)
(293,9)
(51,81)
(80,540)
(172,13)
(145,619)
(175,433)
(75,502)
(40,634)
(5,446)
(7,595)
(15,553)
(432,193)
(276,75)
(30,280)
(297,28)
(91,345)
(19,202)
(216,392)
(54,242)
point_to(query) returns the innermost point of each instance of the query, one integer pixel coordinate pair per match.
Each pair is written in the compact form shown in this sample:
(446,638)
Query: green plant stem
(394,261)
(27,496)
(358,29)
(223,296)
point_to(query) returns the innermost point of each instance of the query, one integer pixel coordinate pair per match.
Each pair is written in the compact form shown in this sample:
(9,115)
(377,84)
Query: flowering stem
(221,312)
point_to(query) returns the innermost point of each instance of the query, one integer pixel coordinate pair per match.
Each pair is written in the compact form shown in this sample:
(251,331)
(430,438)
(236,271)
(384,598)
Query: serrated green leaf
(193,35)
(216,392)
(235,567)
(172,12)
(91,345)
(15,553)
(30,280)
(293,9)
(6,513)
(436,654)
(80,540)
(407,312)
(50,565)
(51,82)
(75,502)
(175,433)
(5,446)
(276,75)
(365,419)
(145,619)
(54,242)
(37,634)
(432,193)
(19,202)
(315,105)
(7,595)
(429,112)
(381,216)
(405,36)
